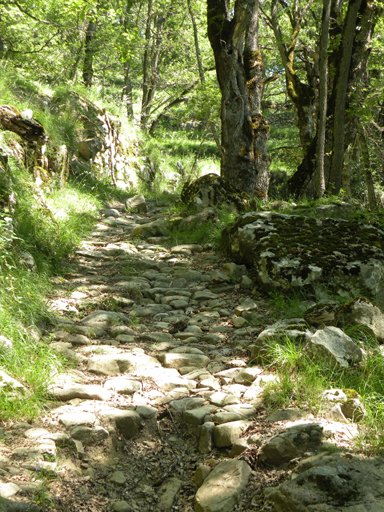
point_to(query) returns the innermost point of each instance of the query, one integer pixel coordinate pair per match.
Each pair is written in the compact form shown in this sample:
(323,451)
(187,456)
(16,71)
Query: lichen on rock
(290,251)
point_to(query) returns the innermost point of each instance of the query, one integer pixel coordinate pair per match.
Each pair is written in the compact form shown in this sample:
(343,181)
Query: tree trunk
(323,88)
(196,39)
(89,51)
(127,92)
(239,67)
(341,91)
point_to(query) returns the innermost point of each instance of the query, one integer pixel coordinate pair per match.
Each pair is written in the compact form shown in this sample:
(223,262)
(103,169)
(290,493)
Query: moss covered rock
(211,190)
(291,251)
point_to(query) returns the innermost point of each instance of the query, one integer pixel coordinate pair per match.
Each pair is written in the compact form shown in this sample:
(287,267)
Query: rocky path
(162,392)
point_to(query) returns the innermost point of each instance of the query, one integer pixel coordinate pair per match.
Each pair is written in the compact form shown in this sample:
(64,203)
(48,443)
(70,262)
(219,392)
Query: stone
(291,251)
(9,384)
(333,485)
(86,392)
(109,364)
(225,417)
(197,416)
(105,319)
(167,492)
(293,443)
(89,436)
(8,490)
(202,471)
(287,415)
(239,447)
(247,375)
(117,477)
(156,228)
(246,283)
(330,346)
(246,305)
(225,435)
(322,313)
(176,360)
(72,419)
(239,322)
(5,344)
(137,203)
(121,506)
(348,402)
(361,312)
(205,438)
(12,506)
(128,422)
(147,412)
(221,489)
(35,433)
(177,407)
(204,295)
(123,386)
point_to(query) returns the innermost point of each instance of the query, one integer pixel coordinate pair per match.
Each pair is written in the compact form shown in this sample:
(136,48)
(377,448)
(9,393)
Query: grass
(301,383)
(200,232)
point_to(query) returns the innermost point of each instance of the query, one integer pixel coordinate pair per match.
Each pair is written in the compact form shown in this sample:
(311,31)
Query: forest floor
(75,457)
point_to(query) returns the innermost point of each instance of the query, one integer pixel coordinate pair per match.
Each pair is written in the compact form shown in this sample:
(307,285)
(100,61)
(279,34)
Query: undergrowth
(301,382)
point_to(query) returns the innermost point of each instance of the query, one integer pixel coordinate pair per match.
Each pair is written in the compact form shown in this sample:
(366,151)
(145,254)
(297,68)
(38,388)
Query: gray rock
(221,489)
(73,419)
(155,228)
(109,364)
(247,375)
(225,417)
(105,319)
(117,477)
(89,436)
(123,386)
(167,491)
(175,360)
(337,486)
(197,416)
(128,422)
(206,437)
(13,506)
(292,443)
(226,434)
(137,203)
(287,415)
(322,313)
(86,392)
(290,251)
(202,471)
(177,407)
(361,312)
(246,305)
(121,506)
(331,347)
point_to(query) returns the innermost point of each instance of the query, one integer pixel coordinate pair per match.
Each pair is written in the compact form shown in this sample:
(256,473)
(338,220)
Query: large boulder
(333,348)
(291,251)
(332,484)
(221,489)
(211,190)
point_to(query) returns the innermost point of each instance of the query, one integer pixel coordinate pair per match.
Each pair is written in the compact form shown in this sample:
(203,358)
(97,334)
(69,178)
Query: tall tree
(233,34)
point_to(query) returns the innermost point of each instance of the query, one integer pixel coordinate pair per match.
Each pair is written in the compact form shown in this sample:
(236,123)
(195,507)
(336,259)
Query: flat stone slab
(221,489)
(123,386)
(175,360)
(86,392)
(73,419)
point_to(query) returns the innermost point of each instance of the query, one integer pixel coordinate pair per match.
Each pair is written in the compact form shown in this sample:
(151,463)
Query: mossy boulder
(294,252)
(212,190)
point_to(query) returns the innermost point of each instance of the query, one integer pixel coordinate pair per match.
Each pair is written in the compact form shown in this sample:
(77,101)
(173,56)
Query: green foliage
(301,382)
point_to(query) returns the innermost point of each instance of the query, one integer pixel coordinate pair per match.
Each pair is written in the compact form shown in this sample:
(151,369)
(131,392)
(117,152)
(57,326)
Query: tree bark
(89,50)
(323,88)
(239,68)
(344,94)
